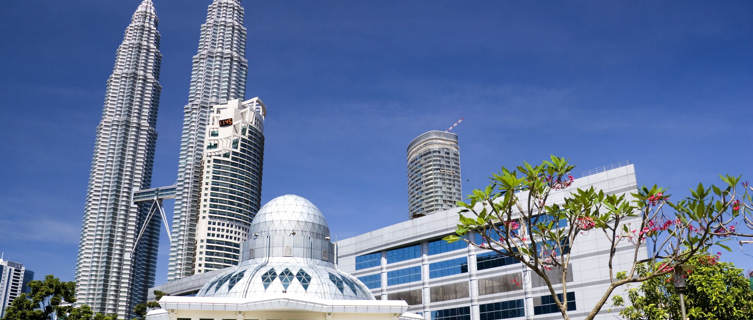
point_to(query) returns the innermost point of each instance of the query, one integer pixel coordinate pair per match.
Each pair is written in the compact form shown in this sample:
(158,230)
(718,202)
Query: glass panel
(492,259)
(402,254)
(462,313)
(368,260)
(404,276)
(234,279)
(268,277)
(449,292)
(555,276)
(441,246)
(373,281)
(546,304)
(448,267)
(412,297)
(352,285)
(304,278)
(286,277)
(502,310)
(337,281)
(503,283)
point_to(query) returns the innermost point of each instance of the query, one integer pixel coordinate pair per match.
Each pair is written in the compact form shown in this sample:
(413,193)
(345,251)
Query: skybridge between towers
(154,197)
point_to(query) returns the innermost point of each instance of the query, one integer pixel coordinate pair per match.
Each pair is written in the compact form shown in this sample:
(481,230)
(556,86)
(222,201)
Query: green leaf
(451,238)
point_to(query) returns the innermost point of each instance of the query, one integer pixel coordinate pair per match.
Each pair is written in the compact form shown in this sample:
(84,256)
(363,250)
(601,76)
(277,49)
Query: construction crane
(455,125)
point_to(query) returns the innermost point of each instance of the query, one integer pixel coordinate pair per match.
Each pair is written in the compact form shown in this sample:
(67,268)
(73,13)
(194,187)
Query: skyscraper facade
(231,183)
(111,276)
(218,76)
(14,280)
(433,173)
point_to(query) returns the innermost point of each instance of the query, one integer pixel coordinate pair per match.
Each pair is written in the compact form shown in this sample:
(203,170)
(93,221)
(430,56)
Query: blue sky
(664,85)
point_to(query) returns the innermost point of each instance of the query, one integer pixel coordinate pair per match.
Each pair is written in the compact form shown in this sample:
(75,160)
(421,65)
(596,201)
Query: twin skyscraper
(218,186)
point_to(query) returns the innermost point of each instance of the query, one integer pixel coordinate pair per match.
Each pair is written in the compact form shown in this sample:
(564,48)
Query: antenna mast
(455,125)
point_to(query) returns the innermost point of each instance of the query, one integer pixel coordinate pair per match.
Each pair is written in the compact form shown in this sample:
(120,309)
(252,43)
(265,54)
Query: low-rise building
(14,280)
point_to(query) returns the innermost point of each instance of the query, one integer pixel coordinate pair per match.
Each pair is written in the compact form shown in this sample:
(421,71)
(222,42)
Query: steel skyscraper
(218,76)
(111,277)
(433,173)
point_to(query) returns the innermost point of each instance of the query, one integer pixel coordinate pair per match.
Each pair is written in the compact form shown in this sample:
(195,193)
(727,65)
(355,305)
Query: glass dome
(291,255)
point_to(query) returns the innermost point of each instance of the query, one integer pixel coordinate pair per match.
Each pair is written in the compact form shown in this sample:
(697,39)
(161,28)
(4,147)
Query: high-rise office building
(231,183)
(433,173)
(111,277)
(218,76)
(14,280)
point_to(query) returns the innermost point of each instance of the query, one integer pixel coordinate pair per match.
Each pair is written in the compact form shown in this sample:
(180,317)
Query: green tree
(48,299)
(143,308)
(516,217)
(715,291)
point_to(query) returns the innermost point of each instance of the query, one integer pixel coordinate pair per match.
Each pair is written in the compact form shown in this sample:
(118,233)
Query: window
(502,310)
(545,304)
(214,133)
(497,284)
(462,313)
(412,297)
(448,267)
(286,277)
(449,292)
(368,260)
(492,259)
(406,275)
(268,277)
(555,276)
(373,281)
(337,282)
(304,278)
(402,254)
(441,246)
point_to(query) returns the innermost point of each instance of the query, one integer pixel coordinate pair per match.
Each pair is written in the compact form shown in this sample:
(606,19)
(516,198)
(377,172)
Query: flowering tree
(515,217)
(715,291)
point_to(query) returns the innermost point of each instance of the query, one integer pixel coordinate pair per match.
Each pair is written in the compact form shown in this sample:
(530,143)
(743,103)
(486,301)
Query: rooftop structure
(434,182)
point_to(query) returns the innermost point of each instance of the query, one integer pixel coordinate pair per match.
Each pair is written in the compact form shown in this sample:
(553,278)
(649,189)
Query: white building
(231,183)
(410,261)
(14,280)
(109,278)
(218,75)
(291,275)
(434,182)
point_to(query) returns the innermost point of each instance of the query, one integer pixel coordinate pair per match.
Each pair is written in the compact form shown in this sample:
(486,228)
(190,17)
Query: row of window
(505,309)
(407,253)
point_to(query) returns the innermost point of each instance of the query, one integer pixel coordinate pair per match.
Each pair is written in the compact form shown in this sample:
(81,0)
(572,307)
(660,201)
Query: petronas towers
(111,277)
(218,75)
(116,265)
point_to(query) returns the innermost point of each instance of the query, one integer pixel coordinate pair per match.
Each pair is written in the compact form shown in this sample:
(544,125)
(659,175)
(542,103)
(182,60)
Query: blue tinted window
(404,276)
(463,313)
(546,304)
(402,254)
(502,310)
(368,260)
(441,246)
(448,267)
(373,281)
(490,260)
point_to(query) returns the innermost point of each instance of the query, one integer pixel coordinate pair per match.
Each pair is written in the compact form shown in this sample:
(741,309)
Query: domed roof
(289,213)
(290,277)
